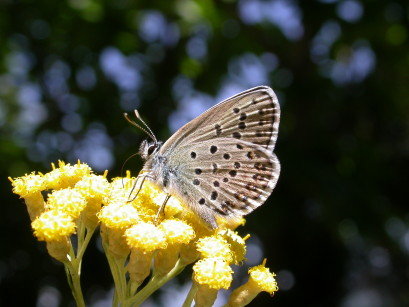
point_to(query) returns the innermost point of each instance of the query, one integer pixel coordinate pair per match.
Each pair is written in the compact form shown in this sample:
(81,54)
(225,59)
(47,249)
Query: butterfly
(221,164)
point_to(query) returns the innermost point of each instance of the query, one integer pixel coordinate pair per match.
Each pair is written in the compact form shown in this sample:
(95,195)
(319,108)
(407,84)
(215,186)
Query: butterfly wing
(222,162)
(252,116)
(230,180)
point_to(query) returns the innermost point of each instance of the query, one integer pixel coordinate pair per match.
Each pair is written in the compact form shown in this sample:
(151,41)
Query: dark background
(336,228)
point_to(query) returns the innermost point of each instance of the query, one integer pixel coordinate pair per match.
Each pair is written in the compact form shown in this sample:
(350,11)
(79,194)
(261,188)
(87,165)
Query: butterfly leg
(139,188)
(162,209)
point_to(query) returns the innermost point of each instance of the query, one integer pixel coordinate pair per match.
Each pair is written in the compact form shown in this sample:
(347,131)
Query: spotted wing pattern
(252,116)
(229,180)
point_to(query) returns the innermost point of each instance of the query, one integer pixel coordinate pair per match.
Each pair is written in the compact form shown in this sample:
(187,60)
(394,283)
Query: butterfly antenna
(146,126)
(123,165)
(148,131)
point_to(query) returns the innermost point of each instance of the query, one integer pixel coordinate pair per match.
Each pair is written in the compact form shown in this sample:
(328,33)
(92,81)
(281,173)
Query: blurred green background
(336,228)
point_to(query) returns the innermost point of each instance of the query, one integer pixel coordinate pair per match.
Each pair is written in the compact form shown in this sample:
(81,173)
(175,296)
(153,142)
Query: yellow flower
(151,193)
(231,223)
(90,212)
(136,246)
(118,215)
(119,190)
(188,253)
(173,208)
(214,246)
(59,249)
(166,259)
(213,272)
(139,265)
(197,223)
(30,187)
(53,225)
(28,184)
(146,237)
(149,200)
(263,278)
(66,175)
(114,241)
(205,296)
(68,200)
(237,244)
(126,182)
(93,187)
(52,178)
(177,232)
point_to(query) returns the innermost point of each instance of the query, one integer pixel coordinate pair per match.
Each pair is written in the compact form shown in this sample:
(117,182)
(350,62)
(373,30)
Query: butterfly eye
(151,149)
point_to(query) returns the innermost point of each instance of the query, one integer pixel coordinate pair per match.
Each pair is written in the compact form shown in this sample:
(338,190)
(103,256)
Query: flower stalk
(154,284)
(190,296)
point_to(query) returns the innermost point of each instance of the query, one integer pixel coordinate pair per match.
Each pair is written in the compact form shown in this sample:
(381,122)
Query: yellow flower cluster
(71,189)
(53,225)
(137,238)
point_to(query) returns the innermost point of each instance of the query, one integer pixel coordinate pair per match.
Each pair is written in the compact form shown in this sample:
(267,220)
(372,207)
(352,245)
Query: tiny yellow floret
(150,197)
(68,200)
(214,246)
(201,229)
(237,244)
(119,190)
(66,175)
(118,215)
(173,207)
(28,184)
(213,272)
(264,279)
(146,237)
(177,232)
(53,225)
(151,192)
(71,174)
(122,183)
(93,187)
(231,223)
(52,179)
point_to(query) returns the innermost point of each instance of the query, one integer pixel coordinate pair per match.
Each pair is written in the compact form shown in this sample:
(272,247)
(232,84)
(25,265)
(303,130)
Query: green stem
(84,243)
(73,276)
(133,287)
(121,271)
(115,274)
(67,273)
(73,266)
(80,234)
(155,283)
(119,281)
(190,296)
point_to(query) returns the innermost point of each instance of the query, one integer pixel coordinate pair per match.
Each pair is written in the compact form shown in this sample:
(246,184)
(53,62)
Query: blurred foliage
(336,229)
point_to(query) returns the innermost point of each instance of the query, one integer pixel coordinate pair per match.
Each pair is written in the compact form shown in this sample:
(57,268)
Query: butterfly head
(148,149)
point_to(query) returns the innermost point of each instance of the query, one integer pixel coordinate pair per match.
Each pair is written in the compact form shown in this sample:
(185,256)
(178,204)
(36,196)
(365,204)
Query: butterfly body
(222,162)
